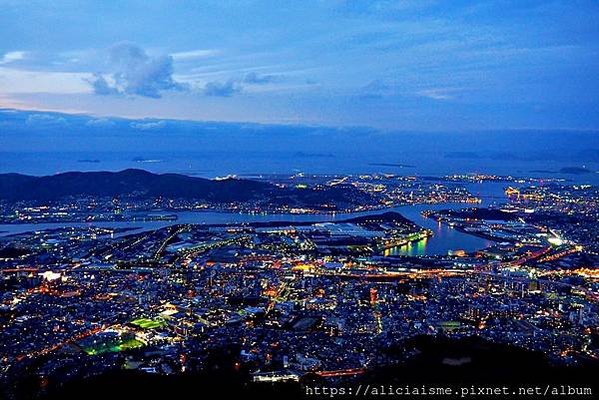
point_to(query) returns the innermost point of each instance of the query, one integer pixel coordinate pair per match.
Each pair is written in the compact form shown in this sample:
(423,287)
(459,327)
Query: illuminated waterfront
(444,238)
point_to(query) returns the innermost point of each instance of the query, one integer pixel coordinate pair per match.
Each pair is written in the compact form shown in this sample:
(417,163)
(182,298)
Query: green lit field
(113,346)
(449,325)
(147,323)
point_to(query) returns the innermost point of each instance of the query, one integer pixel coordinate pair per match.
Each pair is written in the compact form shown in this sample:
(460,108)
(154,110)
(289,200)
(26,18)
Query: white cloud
(194,54)
(21,81)
(148,126)
(134,72)
(438,93)
(100,123)
(7,102)
(12,56)
(45,120)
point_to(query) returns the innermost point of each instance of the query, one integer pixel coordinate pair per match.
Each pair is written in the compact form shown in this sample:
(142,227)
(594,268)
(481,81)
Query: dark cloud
(222,89)
(376,89)
(133,72)
(256,79)
(101,86)
(232,86)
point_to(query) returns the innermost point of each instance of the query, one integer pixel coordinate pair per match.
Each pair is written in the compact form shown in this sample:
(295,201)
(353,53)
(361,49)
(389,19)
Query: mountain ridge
(141,184)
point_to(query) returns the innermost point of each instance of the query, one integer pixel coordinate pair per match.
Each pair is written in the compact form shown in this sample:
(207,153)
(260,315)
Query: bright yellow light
(555,241)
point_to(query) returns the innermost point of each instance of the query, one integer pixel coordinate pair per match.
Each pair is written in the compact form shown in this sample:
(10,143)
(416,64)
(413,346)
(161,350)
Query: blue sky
(392,65)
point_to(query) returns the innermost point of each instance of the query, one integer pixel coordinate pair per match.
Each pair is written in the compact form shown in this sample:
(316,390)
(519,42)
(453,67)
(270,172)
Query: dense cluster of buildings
(288,299)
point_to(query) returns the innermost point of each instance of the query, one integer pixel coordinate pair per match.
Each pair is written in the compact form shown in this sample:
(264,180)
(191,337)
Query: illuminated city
(325,294)
(299,199)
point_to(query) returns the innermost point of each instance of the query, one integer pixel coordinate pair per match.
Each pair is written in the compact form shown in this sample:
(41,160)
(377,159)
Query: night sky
(390,65)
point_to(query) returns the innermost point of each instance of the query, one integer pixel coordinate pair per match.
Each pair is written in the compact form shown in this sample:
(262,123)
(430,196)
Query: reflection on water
(411,249)
(443,240)
(446,238)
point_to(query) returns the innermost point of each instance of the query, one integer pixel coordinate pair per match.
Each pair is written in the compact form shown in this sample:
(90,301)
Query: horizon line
(298,124)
